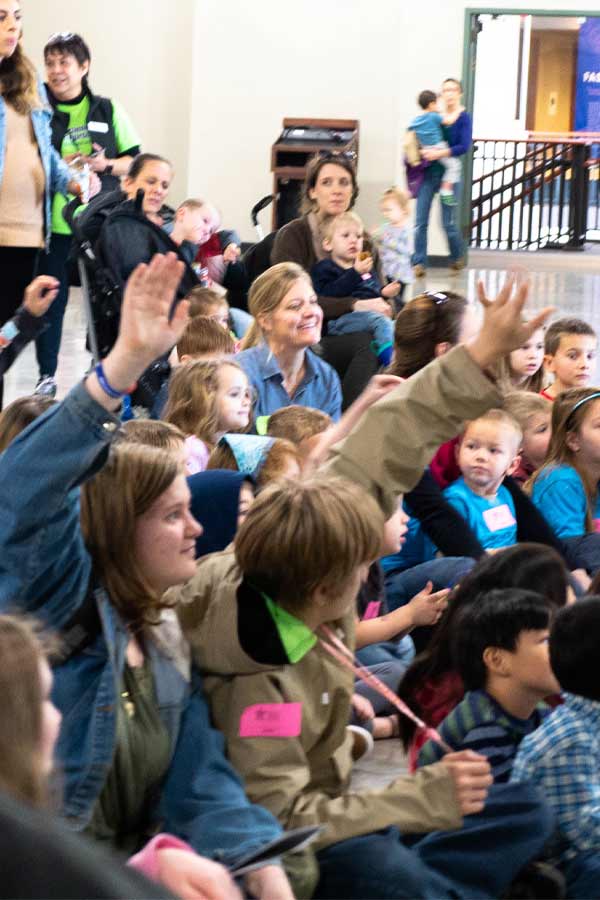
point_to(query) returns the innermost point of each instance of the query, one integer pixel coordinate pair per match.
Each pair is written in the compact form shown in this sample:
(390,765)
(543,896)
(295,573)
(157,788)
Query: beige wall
(141,55)
(210,89)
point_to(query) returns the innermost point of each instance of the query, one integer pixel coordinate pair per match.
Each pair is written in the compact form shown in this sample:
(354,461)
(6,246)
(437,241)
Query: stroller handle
(258,207)
(69,216)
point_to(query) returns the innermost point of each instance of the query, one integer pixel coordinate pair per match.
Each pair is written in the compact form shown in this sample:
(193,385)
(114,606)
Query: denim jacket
(55,169)
(46,570)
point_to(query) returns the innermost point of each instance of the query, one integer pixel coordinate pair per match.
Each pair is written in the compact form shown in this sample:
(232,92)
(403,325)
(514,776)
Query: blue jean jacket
(55,169)
(45,570)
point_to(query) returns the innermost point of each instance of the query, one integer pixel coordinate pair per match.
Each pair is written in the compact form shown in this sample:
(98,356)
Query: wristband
(107,388)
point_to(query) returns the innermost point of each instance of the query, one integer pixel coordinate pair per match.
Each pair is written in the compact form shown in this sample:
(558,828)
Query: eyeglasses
(438,298)
(59,36)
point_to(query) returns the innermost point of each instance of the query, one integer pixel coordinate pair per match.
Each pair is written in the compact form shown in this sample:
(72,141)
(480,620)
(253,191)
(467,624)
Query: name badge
(372,610)
(271,720)
(98,126)
(499,517)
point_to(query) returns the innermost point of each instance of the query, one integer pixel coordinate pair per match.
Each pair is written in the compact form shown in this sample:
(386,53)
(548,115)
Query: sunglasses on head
(438,297)
(333,155)
(59,36)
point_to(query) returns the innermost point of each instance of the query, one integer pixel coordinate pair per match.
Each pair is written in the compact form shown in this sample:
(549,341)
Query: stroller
(111,236)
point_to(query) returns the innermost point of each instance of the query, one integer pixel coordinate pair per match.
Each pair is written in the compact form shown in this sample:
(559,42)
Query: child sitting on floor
(523,368)
(501,653)
(562,758)
(395,241)
(206,400)
(534,416)
(264,459)
(349,273)
(488,450)
(570,354)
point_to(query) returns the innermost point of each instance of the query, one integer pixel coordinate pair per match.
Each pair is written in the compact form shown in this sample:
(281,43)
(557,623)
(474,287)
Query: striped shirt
(563,759)
(479,723)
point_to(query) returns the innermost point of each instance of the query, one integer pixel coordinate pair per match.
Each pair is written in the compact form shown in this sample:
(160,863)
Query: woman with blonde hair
(136,747)
(277,355)
(31,171)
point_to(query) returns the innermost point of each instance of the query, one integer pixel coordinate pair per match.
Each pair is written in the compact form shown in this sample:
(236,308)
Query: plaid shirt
(563,758)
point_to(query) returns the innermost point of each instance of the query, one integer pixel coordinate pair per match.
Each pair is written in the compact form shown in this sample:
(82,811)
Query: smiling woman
(277,356)
(30,168)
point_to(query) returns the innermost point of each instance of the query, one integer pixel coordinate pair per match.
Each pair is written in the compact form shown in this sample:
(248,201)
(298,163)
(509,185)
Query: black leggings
(18,266)
(354,361)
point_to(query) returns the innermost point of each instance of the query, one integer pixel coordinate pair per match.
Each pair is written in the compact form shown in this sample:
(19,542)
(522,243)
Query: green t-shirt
(79,140)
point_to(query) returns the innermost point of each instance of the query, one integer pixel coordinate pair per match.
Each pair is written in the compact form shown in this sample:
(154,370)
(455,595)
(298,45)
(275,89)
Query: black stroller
(111,237)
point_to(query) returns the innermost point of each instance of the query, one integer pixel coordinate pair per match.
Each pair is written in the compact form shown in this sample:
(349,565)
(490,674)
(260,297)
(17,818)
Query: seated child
(570,354)
(562,758)
(349,273)
(488,450)
(153,433)
(428,129)
(565,489)
(281,699)
(534,417)
(206,400)
(19,414)
(501,653)
(206,301)
(395,241)
(265,459)
(302,425)
(523,368)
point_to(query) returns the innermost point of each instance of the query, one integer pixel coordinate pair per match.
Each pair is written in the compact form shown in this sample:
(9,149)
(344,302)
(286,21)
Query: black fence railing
(542,192)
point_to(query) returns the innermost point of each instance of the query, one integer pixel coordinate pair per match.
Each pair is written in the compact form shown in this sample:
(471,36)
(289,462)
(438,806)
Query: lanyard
(336,648)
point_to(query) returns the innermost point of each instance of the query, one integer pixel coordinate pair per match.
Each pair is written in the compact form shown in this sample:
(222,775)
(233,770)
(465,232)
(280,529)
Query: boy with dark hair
(428,128)
(501,654)
(563,756)
(569,354)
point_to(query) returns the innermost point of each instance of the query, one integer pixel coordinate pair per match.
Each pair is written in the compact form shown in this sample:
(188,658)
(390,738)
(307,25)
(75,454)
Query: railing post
(578,200)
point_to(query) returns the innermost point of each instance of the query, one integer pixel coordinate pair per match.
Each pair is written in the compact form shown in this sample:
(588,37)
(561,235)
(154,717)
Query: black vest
(101,111)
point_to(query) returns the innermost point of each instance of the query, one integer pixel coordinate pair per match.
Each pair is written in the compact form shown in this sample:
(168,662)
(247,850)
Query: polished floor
(568,281)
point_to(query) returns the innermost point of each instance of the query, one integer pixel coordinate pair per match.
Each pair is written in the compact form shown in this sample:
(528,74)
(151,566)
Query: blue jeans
(400,587)
(47,345)
(428,190)
(376,324)
(390,672)
(476,861)
(401,651)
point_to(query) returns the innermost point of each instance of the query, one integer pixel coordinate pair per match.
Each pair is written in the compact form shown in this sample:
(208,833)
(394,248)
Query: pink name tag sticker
(499,517)
(280,720)
(596,524)
(372,610)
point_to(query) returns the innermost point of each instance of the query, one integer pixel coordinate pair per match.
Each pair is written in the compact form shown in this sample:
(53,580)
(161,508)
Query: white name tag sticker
(98,126)
(499,517)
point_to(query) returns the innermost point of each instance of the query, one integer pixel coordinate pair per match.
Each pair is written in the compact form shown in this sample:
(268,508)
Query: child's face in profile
(394,531)
(486,454)
(536,437)
(529,664)
(392,211)
(574,362)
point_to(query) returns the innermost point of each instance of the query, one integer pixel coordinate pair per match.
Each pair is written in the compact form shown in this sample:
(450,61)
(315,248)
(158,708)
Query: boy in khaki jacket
(282,701)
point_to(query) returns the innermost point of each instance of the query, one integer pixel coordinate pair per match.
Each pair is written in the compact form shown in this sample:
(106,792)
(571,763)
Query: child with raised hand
(348,272)
(500,651)
(562,758)
(569,355)
(534,416)
(565,489)
(487,452)
(395,241)
(523,368)
(207,398)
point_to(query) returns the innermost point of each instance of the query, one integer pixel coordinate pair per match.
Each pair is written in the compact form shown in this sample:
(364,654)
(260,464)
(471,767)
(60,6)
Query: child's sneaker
(363,741)
(537,880)
(46,387)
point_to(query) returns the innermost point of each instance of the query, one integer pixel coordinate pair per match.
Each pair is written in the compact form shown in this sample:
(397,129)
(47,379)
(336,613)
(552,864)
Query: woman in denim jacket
(31,171)
(129,770)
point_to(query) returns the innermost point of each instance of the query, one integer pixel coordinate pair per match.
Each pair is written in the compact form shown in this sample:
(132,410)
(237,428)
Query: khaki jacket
(302,780)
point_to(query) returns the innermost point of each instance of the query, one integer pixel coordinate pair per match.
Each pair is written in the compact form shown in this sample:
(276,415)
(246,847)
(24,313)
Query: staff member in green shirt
(96,130)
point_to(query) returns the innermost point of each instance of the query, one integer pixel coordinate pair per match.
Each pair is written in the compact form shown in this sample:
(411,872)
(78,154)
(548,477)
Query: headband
(594,396)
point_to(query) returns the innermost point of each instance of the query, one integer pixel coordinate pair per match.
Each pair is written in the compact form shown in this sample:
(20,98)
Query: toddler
(349,273)
(565,489)
(206,301)
(570,355)
(395,241)
(501,653)
(523,368)
(534,417)
(487,452)
(428,129)
(562,758)
(206,400)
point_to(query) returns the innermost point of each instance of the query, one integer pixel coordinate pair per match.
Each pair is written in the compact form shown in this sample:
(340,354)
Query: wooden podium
(299,141)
